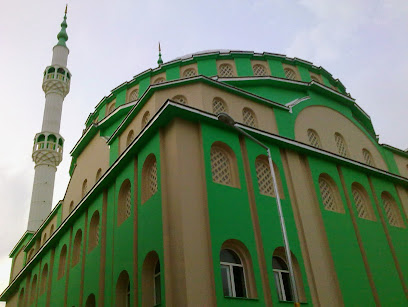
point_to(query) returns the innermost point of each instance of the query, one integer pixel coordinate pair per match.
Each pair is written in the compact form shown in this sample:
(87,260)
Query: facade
(168,206)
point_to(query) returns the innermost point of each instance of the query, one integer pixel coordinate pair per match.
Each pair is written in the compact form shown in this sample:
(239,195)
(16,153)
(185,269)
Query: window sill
(241,298)
(291,302)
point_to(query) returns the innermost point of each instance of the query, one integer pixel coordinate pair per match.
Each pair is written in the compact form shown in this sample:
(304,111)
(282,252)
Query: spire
(159,61)
(62,35)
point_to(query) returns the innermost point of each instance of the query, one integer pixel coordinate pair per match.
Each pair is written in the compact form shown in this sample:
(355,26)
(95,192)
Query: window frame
(231,276)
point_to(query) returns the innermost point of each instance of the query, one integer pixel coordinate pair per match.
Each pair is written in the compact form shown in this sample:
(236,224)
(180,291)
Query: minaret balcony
(48,148)
(56,79)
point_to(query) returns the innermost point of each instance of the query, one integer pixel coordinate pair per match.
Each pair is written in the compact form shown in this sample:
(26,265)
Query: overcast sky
(363,43)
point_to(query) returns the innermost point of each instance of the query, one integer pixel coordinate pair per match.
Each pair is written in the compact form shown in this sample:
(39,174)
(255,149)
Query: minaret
(48,144)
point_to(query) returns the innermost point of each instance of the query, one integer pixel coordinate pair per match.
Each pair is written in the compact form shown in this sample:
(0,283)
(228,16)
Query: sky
(364,43)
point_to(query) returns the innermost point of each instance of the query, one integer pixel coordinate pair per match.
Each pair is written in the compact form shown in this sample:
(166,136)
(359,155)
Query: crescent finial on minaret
(66,9)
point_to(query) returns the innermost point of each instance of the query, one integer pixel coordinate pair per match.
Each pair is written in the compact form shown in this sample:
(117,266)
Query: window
(341,145)
(33,293)
(232,274)
(282,279)
(159,80)
(149,178)
(21,298)
(44,277)
(134,95)
(331,201)
(221,164)
(361,200)
(31,254)
(191,72)
(391,210)
(219,106)
(225,70)
(76,253)
(249,118)
(52,230)
(94,231)
(84,187)
(130,137)
(71,206)
(157,284)
(62,260)
(290,73)
(315,78)
(111,108)
(181,99)
(314,139)
(90,301)
(124,202)
(98,175)
(145,119)
(123,290)
(44,237)
(264,177)
(368,158)
(259,70)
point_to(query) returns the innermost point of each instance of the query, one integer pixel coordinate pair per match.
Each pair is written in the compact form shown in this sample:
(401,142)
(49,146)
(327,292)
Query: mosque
(220,178)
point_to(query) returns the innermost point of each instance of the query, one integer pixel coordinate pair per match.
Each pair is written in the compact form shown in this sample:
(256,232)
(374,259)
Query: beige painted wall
(47,229)
(402,164)
(18,263)
(326,122)
(87,166)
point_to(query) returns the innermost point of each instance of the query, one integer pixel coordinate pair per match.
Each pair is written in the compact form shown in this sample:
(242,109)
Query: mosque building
(220,178)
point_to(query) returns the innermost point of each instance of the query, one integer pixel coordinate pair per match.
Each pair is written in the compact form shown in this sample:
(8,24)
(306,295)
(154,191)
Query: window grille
(124,202)
(391,210)
(191,72)
(361,204)
(259,70)
(128,203)
(314,139)
(159,80)
(219,106)
(180,99)
(225,70)
(263,174)
(249,117)
(134,95)
(145,119)
(76,253)
(153,178)
(220,166)
(341,145)
(328,196)
(290,74)
(368,158)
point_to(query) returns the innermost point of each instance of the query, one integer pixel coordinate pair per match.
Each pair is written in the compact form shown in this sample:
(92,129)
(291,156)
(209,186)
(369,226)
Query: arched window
(157,284)
(151,280)
(134,95)
(329,193)
(84,187)
(124,202)
(282,277)
(21,298)
(98,175)
(219,106)
(249,117)
(44,277)
(76,253)
(315,78)
(90,301)
(264,177)
(191,72)
(145,119)
(33,293)
(362,202)
(94,231)
(314,138)
(111,108)
(368,158)
(44,237)
(159,80)
(259,70)
(149,178)
(391,210)
(123,290)
(31,254)
(130,137)
(71,206)
(62,261)
(341,145)
(180,98)
(290,73)
(223,165)
(51,229)
(225,70)
(232,274)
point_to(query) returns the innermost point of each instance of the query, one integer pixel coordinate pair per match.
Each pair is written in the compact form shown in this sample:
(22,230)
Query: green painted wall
(207,67)
(244,67)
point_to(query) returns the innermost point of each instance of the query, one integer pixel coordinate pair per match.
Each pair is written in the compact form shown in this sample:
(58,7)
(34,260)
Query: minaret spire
(160,61)
(48,144)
